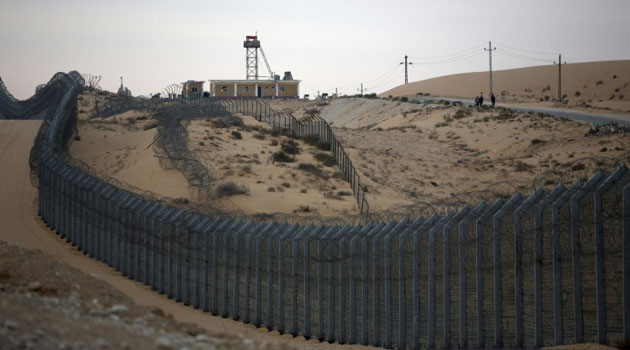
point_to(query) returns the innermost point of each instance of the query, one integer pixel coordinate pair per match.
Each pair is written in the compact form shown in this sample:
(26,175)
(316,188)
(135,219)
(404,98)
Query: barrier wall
(535,270)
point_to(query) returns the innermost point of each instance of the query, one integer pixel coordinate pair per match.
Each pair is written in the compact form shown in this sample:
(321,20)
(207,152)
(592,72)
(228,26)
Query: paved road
(580,117)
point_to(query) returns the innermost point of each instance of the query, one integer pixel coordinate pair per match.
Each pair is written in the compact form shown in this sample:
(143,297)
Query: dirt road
(19,224)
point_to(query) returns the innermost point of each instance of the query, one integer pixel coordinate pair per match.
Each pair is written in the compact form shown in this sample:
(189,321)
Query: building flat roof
(252,81)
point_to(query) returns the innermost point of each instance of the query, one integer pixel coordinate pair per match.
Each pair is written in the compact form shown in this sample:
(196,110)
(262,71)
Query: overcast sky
(326,44)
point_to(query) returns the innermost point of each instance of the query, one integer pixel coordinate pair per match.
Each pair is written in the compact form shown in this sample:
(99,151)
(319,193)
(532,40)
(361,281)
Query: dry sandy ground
(443,154)
(119,147)
(47,304)
(115,148)
(595,86)
(273,187)
(22,226)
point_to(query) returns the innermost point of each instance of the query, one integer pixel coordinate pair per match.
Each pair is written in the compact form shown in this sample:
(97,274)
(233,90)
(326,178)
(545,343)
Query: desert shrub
(325,158)
(447,118)
(313,169)
(577,94)
(260,135)
(274,142)
(615,76)
(322,103)
(462,113)
(537,141)
(286,184)
(344,193)
(315,141)
(275,132)
(578,166)
(290,147)
(201,143)
(230,188)
(339,175)
(237,135)
(599,82)
(404,99)
(440,125)
(282,157)
(522,166)
(371,96)
(505,114)
(303,209)
(180,201)
(312,111)
(271,189)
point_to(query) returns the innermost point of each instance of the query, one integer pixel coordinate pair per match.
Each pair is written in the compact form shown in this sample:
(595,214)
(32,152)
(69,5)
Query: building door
(259,92)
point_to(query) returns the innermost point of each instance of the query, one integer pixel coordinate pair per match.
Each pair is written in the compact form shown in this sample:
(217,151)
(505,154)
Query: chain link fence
(533,270)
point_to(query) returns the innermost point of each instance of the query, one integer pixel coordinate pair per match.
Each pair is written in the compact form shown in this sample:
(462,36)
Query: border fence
(310,126)
(543,269)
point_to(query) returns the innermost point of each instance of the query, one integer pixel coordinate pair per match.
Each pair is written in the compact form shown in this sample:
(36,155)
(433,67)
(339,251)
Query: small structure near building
(123,91)
(192,89)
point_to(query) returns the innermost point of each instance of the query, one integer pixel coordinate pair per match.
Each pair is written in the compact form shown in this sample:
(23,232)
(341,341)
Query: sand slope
(21,225)
(434,153)
(589,83)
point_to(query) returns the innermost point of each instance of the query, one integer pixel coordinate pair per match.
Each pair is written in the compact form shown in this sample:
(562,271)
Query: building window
(282,88)
(224,88)
(245,88)
(194,89)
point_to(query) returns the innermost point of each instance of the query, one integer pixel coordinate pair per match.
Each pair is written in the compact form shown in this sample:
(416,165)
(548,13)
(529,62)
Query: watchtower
(251,45)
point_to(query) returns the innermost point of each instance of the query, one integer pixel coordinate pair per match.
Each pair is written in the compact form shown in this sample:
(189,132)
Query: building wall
(188,92)
(268,89)
(290,90)
(251,89)
(219,93)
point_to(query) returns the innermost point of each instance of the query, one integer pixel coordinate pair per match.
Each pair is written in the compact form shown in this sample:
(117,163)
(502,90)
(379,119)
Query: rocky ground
(47,304)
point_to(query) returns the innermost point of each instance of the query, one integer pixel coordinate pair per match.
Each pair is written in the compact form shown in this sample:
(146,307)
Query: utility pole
(361,89)
(490,49)
(406,64)
(560,77)
(335,92)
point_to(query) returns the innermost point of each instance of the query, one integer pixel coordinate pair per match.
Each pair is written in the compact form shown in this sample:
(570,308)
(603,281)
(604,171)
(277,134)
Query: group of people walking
(479,100)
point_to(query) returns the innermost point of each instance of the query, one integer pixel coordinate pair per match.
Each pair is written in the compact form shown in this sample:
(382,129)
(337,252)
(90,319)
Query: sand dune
(598,84)
(443,155)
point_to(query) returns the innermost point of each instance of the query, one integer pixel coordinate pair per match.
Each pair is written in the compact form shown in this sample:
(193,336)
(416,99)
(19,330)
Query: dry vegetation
(439,153)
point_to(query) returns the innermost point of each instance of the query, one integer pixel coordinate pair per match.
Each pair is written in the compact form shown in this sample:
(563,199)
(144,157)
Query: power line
(523,57)
(454,59)
(476,47)
(388,81)
(528,51)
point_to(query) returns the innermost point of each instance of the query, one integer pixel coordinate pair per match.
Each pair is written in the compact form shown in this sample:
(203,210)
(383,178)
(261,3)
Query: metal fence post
(626,262)
(557,287)
(599,251)
(498,279)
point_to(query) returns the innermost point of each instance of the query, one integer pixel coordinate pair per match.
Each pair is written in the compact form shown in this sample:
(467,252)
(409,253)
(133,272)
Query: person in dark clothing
(481,100)
(476,101)
(493,99)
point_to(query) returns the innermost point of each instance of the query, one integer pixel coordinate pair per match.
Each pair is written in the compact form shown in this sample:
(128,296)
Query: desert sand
(22,226)
(591,86)
(120,147)
(447,155)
